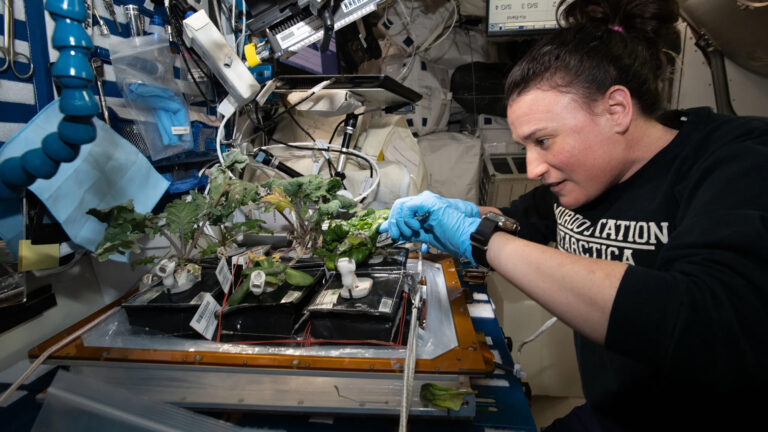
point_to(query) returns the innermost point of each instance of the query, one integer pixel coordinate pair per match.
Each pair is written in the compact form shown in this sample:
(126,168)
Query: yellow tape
(37,257)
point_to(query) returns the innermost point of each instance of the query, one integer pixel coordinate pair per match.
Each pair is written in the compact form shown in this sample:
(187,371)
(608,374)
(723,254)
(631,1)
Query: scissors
(7,50)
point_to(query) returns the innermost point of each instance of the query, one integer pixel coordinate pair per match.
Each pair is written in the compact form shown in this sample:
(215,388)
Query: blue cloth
(108,171)
(430,218)
(168,110)
(186,184)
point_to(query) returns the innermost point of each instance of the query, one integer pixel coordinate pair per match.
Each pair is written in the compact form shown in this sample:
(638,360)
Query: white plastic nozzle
(165,270)
(351,285)
(256,282)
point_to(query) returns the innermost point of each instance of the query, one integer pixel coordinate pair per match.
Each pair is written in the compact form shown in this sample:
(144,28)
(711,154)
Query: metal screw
(295,362)
(198,358)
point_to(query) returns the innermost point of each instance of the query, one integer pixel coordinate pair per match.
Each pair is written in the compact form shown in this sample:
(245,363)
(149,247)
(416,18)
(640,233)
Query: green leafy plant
(354,238)
(275,272)
(125,227)
(184,222)
(445,397)
(305,202)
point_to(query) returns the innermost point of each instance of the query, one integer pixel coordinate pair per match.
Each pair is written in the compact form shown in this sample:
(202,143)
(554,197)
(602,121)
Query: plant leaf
(445,397)
(237,297)
(277,200)
(298,277)
(181,217)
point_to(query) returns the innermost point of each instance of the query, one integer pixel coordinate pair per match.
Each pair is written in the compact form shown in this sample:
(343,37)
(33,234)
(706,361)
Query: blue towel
(108,171)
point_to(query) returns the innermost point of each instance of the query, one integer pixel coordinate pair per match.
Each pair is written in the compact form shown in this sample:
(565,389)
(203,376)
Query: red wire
(287,341)
(279,341)
(224,304)
(349,341)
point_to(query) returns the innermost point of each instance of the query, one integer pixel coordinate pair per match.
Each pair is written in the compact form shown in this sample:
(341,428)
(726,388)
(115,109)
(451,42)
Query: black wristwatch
(490,223)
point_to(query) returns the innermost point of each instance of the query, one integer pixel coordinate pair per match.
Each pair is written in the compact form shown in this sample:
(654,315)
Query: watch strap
(479,240)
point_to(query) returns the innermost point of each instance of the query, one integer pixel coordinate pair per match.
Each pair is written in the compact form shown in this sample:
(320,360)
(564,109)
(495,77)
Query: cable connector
(227,107)
(518,372)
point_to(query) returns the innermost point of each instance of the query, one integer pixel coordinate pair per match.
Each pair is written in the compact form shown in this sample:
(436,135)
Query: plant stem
(201,228)
(196,238)
(287,219)
(170,239)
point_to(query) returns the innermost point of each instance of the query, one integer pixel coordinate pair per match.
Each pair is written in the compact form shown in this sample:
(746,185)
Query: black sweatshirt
(688,332)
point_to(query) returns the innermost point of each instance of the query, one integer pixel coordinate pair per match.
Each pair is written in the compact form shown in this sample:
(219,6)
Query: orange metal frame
(471,356)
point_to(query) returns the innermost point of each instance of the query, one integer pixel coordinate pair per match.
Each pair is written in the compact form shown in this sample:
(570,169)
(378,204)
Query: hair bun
(652,20)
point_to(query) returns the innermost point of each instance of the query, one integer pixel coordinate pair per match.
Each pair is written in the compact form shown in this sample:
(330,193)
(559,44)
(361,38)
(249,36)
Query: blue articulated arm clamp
(73,73)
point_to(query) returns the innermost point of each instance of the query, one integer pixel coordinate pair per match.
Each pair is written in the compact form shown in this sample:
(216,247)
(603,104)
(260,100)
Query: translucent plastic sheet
(438,336)
(81,403)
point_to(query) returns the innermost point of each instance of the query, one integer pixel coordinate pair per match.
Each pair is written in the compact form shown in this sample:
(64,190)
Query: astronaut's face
(571,146)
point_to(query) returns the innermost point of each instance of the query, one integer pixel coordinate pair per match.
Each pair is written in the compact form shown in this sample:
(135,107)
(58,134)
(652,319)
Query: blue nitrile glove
(432,219)
(449,231)
(167,108)
(407,213)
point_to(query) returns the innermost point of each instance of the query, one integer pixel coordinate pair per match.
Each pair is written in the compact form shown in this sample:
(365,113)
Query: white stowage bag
(453,164)
(412,27)
(473,7)
(432,111)
(401,165)
(395,182)
(461,46)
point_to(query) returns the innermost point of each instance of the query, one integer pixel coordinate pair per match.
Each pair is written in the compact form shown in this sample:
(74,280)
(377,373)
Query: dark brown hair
(602,43)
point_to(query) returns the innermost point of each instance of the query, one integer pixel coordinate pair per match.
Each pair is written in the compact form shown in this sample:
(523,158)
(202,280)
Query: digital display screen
(520,17)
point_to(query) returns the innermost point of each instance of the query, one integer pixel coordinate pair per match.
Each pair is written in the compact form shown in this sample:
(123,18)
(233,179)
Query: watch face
(505,223)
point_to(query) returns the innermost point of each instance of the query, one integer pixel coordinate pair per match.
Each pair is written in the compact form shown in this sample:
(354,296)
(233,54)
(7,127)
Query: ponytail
(602,43)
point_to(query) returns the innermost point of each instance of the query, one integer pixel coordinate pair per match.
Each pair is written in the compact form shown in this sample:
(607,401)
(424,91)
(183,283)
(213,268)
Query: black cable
(335,130)
(175,19)
(194,80)
(505,367)
(370,165)
(290,114)
(249,112)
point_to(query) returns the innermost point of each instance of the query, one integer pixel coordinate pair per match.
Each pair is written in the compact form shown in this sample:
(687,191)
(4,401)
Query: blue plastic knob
(38,164)
(73,9)
(70,34)
(77,131)
(72,69)
(58,150)
(7,193)
(78,102)
(13,174)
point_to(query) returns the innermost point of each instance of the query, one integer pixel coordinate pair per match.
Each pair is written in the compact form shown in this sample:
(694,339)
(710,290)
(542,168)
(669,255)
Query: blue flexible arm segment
(73,73)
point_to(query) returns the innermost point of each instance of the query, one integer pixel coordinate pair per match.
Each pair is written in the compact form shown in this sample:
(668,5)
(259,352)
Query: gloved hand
(406,213)
(434,220)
